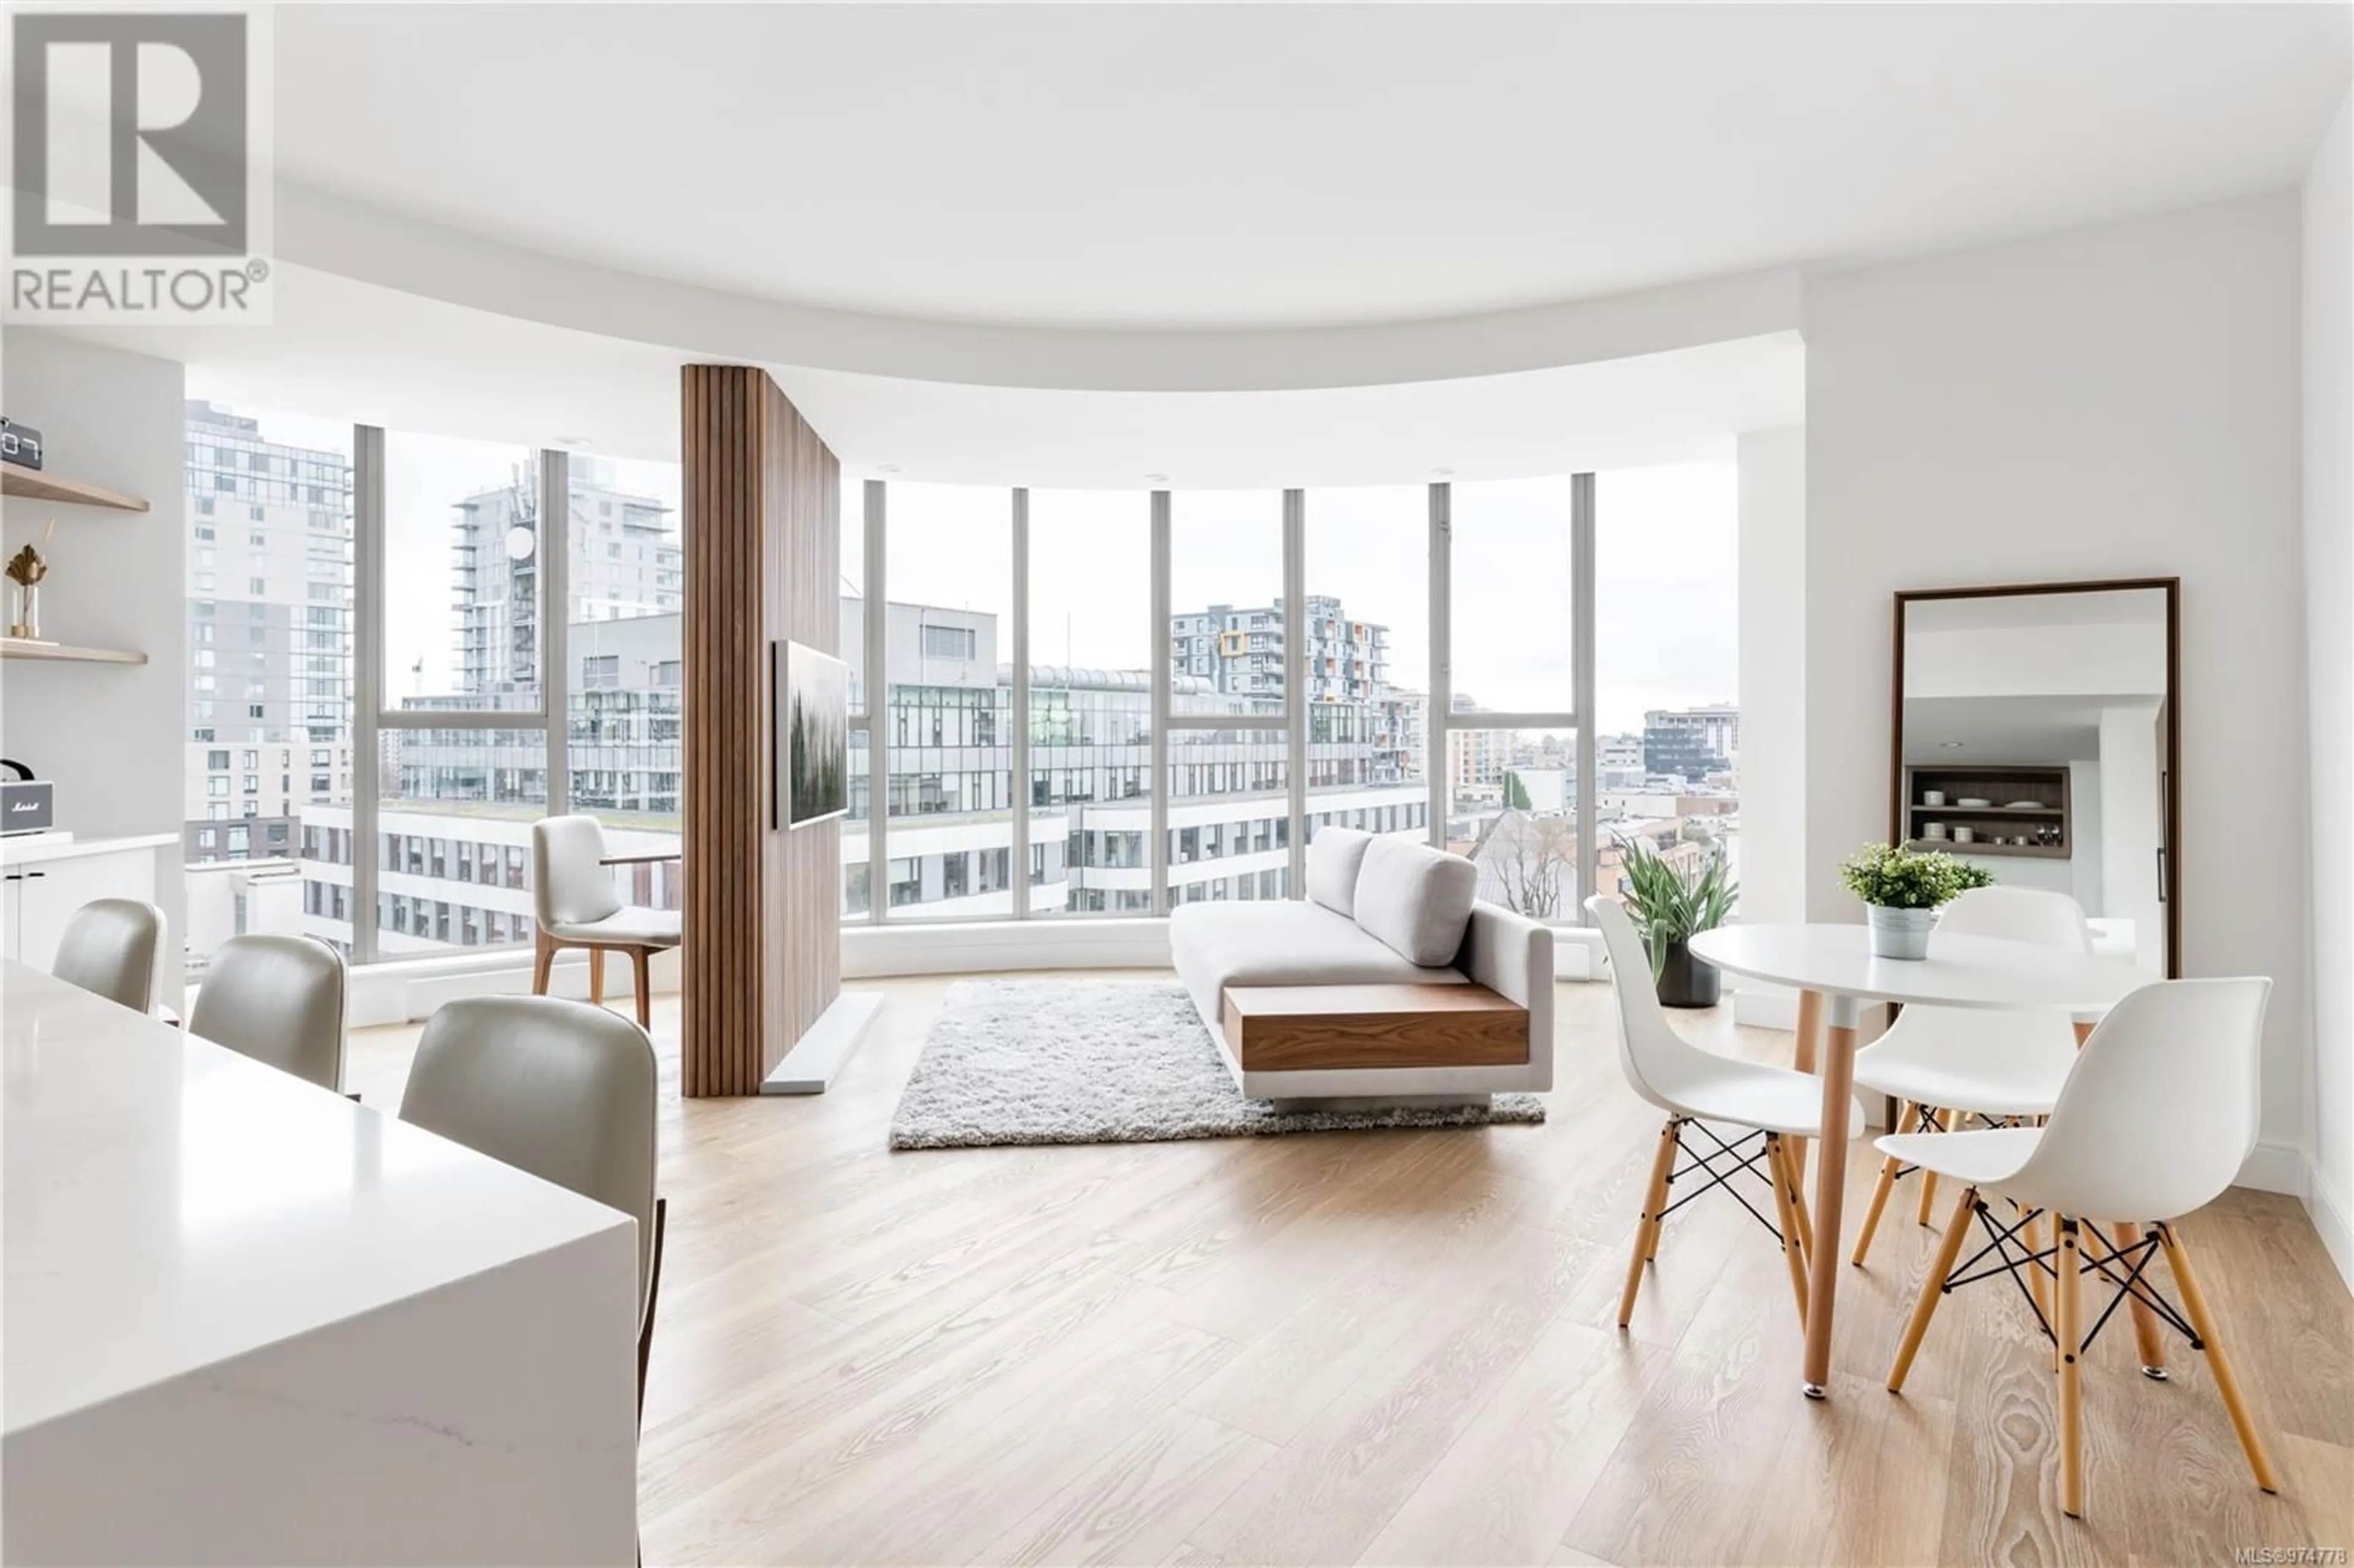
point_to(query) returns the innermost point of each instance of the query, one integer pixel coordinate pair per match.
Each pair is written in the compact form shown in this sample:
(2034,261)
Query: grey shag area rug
(1053,1060)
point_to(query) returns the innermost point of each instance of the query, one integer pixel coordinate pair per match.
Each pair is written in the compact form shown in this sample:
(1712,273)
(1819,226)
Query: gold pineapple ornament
(27,567)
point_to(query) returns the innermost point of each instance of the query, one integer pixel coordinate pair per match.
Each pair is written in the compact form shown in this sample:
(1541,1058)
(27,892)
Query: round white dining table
(1835,974)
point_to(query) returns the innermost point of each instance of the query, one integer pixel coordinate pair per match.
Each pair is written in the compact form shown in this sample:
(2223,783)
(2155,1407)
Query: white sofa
(1379,911)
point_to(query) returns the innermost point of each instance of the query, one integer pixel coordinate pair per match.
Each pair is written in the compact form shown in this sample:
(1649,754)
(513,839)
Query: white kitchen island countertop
(223,1282)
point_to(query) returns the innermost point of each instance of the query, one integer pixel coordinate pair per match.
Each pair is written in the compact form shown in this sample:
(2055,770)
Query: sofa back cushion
(1415,899)
(1334,855)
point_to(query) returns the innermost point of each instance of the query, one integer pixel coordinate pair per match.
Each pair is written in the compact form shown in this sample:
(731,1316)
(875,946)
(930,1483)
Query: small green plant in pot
(1902,889)
(1669,907)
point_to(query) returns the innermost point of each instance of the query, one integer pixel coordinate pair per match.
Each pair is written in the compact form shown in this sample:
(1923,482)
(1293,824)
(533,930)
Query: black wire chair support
(1706,1161)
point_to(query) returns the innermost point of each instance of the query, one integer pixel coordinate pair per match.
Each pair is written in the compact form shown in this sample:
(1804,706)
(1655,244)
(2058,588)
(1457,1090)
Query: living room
(923,784)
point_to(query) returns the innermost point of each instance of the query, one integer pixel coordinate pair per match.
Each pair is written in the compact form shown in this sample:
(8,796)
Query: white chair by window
(110,947)
(279,1000)
(2153,1123)
(564,1091)
(1943,1064)
(573,894)
(1696,1088)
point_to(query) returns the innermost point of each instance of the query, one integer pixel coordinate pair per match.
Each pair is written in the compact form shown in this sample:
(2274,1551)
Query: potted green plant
(1669,907)
(1902,889)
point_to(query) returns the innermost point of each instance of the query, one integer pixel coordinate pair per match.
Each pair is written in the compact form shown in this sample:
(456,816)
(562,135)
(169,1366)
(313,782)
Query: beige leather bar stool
(278,999)
(562,1090)
(110,948)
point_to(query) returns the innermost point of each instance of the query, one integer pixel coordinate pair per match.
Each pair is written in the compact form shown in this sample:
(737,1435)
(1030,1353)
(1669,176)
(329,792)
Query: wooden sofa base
(1304,1028)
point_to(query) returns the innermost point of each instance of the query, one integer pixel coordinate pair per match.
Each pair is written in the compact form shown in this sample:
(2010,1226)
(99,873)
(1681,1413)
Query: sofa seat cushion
(1416,898)
(1215,946)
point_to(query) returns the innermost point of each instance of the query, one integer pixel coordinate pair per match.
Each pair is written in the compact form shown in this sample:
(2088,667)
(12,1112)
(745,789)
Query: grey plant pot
(1901,933)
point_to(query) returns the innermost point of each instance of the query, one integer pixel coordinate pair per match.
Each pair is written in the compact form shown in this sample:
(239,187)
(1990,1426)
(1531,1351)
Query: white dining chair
(1696,1088)
(2154,1122)
(562,1090)
(279,999)
(1946,1063)
(573,895)
(110,948)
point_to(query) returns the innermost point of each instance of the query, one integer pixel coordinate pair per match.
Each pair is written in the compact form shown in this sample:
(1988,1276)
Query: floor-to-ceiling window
(1667,664)
(1229,822)
(269,708)
(1366,659)
(1090,726)
(1512,781)
(1311,677)
(943,718)
(625,596)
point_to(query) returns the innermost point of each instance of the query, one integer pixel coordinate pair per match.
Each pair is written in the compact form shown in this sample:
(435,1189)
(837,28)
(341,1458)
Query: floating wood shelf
(1952,810)
(37,486)
(25,648)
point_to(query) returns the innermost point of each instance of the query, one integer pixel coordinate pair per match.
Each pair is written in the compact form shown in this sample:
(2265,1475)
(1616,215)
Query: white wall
(111,736)
(1773,655)
(2330,653)
(2112,401)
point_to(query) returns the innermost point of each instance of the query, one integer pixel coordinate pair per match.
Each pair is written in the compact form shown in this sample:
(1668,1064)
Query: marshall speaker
(28,805)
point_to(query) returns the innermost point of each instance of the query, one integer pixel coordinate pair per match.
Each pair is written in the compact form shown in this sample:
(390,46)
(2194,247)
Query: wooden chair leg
(1933,1288)
(1938,1122)
(1799,1206)
(1778,1157)
(1887,1184)
(2194,1307)
(597,976)
(542,958)
(2069,1327)
(1646,1229)
(639,961)
(2148,1340)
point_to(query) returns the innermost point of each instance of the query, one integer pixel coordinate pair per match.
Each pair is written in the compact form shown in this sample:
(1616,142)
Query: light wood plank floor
(1392,1348)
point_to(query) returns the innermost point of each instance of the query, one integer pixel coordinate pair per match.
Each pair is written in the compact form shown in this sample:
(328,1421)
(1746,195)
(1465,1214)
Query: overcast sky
(1665,596)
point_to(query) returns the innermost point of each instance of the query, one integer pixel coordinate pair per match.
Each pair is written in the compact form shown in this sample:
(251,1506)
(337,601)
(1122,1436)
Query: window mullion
(1018,873)
(1582,685)
(1435,745)
(1161,678)
(1295,679)
(368,671)
(555,614)
(876,629)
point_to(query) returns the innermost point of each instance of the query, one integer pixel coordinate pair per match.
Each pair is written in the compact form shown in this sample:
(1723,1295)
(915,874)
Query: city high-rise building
(1691,743)
(269,636)
(1240,651)
(626,562)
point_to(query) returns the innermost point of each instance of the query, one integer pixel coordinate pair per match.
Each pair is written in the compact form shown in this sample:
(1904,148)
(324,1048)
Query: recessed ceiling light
(1949,745)
(1155,478)
(886,468)
(1442,473)
(572,440)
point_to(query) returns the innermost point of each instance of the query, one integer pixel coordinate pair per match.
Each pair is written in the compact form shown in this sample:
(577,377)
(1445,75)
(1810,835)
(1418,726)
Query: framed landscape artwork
(813,735)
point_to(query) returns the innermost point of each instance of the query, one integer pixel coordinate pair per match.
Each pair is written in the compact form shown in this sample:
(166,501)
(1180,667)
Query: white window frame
(1292,719)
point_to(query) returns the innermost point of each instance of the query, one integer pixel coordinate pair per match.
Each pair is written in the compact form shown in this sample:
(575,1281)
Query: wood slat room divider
(762,956)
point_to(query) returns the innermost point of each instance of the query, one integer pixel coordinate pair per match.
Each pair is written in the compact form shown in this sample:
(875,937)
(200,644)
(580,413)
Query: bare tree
(1532,857)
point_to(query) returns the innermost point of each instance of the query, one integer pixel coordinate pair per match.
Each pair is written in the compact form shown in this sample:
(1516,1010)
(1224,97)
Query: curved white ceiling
(1147,168)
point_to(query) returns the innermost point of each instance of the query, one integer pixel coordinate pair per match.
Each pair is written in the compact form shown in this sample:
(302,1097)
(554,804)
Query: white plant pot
(1901,933)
